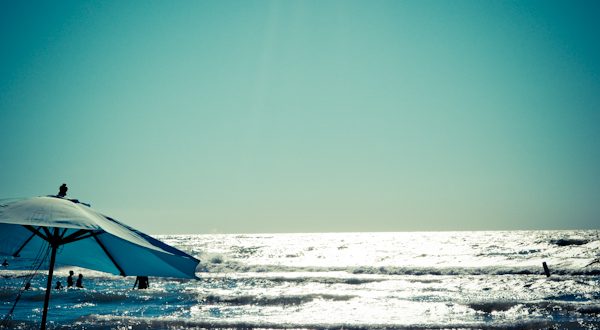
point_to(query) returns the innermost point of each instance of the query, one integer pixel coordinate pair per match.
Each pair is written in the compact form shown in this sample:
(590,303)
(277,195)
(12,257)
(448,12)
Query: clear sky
(306,116)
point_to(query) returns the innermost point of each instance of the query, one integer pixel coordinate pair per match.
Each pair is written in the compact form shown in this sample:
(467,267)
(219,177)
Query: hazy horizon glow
(306,116)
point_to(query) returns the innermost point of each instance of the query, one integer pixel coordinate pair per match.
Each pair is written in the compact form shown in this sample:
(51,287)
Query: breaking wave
(549,306)
(569,241)
(236,267)
(271,300)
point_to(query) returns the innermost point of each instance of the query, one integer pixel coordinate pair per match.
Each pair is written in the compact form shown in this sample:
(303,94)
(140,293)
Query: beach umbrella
(80,236)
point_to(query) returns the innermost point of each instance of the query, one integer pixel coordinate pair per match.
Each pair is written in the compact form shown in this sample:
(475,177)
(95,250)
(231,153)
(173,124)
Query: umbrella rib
(79,238)
(76,236)
(16,254)
(108,254)
(37,232)
(48,234)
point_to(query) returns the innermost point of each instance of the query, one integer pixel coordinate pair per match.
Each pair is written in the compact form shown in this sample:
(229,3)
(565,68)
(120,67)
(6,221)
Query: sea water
(339,280)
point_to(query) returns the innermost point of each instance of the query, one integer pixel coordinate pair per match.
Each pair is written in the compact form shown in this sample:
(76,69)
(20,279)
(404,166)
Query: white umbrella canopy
(87,239)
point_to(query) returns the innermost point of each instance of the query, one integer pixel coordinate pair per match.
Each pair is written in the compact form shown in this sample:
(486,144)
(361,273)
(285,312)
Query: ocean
(405,280)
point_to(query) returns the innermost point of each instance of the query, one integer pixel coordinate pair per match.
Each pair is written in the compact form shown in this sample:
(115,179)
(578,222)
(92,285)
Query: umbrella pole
(48,286)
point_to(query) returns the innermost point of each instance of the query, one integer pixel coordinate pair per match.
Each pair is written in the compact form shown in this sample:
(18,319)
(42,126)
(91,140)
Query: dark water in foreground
(347,280)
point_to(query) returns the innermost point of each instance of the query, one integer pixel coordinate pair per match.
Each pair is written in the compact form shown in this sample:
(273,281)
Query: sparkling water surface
(340,280)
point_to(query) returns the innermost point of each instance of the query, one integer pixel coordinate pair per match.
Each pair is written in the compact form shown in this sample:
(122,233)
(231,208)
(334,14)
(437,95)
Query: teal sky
(306,116)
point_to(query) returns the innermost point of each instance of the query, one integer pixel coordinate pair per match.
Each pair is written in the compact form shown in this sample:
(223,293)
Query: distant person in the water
(79,282)
(58,285)
(62,191)
(27,286)
(70,279)
(142,282)
(5,263)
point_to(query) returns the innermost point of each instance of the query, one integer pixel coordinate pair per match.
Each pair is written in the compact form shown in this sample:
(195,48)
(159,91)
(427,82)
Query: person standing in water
(70,279)
(62,190)
(79,282)
(142,282)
